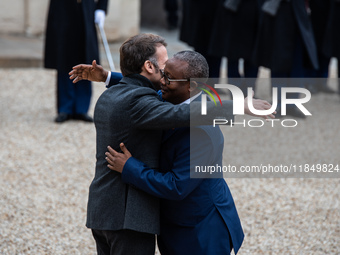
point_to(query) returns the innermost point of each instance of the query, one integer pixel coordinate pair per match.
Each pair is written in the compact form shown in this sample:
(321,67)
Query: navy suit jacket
(198,215)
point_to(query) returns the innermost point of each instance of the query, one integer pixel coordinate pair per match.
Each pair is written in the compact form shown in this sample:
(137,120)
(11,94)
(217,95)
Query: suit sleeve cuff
(113,78)
(130,170)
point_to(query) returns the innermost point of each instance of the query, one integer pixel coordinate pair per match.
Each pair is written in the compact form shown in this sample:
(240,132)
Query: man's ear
(193,86)
(148,67)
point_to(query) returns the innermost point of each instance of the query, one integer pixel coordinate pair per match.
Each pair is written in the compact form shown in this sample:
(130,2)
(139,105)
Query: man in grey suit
(123,219)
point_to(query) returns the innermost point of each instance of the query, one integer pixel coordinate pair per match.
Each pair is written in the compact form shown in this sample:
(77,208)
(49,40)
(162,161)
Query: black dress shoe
(62,117)
(83,117)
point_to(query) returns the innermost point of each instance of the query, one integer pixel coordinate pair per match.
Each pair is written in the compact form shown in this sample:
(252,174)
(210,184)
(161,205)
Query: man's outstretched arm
(97,73)
(93,72)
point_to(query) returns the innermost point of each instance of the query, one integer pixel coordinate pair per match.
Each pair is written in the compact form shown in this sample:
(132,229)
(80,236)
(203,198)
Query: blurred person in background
(331,47)
(285,44)
(196,29)
(320,17)
(71,38)
(233,36)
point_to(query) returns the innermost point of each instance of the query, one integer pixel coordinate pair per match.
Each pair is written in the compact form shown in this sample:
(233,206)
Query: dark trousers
(214,63)
(322,72)
(124,242)
(284,79)
(72,98)
(318,77)
(235,78)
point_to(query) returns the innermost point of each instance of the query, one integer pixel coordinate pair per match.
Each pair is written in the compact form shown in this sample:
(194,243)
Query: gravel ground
(46,170)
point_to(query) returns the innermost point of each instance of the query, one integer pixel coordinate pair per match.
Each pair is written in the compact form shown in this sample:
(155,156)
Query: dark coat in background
(71,36)
(197,22)
(278,35)
(331,43)
(234,32)
(320,15)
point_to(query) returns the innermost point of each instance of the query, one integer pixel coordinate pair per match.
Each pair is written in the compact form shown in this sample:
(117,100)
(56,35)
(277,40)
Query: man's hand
(258,104)
(117,160)
(92,72)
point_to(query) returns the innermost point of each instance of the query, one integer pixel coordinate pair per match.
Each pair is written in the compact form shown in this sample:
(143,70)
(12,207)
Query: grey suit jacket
(131,112)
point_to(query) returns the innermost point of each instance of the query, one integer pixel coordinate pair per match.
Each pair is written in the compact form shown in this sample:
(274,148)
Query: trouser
(72,98)
(124,242)
(214,62)
(318,77)
(235,78)
(285,79)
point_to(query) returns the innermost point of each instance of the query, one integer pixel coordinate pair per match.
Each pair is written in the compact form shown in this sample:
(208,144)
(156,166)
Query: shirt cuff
(108,79)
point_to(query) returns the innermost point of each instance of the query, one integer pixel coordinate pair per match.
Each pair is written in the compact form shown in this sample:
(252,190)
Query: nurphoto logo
(238,104)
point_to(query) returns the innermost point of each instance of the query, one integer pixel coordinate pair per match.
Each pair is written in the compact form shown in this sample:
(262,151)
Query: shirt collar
(191,98)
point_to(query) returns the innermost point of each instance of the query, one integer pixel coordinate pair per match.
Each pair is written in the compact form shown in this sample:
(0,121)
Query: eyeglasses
(168,80)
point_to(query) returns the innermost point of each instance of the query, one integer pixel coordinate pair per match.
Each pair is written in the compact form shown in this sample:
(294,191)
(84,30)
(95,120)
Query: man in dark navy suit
(198,215)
